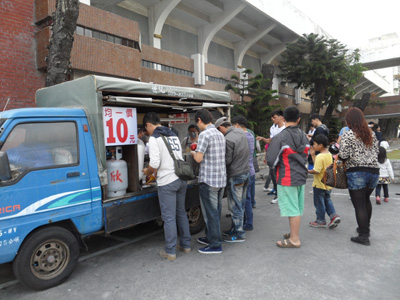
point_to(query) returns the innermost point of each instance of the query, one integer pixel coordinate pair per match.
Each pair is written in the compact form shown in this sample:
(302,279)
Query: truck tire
(46,258)
(196,220)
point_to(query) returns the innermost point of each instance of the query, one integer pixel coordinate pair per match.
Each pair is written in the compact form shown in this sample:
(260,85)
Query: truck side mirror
(5,172)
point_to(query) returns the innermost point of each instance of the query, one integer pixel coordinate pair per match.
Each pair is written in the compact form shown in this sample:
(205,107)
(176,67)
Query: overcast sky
(353,22)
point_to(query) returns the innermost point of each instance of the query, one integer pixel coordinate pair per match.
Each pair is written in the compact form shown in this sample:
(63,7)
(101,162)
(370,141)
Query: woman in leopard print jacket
(359,148)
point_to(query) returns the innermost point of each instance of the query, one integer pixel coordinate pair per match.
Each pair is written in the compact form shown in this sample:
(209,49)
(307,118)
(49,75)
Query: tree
(61,41)
(254,100)
(341,87)
(322,66)
(242,85)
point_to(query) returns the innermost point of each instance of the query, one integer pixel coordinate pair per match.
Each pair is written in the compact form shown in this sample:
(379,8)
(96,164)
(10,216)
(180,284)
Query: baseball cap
(222,121)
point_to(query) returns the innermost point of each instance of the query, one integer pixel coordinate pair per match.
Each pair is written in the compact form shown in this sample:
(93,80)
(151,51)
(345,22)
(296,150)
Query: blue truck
(54,181)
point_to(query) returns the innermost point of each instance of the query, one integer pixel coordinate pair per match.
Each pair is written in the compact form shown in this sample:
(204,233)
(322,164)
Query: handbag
(182,168)
(335,175)
(255,164)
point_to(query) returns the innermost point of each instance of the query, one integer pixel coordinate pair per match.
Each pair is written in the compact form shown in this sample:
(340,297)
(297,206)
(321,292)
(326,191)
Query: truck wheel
(196,221)
(46,258)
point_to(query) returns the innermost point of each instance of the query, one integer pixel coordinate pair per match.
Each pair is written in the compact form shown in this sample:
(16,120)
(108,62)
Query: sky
(353,22)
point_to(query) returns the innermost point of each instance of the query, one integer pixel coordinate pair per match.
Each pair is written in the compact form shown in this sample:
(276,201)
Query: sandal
(286,236)
(287,244)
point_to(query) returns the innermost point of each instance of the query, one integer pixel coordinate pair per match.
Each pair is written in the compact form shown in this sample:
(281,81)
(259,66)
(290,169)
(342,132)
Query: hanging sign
(120,126)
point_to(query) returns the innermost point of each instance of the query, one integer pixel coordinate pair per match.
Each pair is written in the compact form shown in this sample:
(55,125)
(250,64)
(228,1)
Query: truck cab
(54,179)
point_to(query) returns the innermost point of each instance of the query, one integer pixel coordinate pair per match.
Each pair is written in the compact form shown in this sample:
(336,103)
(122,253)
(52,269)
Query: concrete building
(193,43)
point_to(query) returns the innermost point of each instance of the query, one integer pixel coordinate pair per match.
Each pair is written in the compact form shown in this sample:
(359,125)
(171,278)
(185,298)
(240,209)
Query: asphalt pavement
(327,266)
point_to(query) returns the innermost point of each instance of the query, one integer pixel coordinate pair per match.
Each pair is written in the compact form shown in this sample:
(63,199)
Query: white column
(240,48)
(199,69)
(157,16)
(207,32)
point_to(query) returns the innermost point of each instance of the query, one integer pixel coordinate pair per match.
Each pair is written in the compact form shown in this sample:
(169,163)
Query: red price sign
(120,126)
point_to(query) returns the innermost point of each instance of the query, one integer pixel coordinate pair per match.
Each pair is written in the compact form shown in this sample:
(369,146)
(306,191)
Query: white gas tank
(117,175)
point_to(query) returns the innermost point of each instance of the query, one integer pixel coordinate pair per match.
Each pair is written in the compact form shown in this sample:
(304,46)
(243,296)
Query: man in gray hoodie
(237,169)
(288,153)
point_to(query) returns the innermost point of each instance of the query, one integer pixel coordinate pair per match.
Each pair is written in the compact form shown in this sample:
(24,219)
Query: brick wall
(19,78)
(95,56)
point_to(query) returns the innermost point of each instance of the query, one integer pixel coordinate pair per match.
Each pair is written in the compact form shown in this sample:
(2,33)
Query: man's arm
(273,151)
(265,140)
(197,156)
(229,152)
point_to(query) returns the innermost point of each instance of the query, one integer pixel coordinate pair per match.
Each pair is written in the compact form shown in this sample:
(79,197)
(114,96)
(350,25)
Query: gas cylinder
(117,175)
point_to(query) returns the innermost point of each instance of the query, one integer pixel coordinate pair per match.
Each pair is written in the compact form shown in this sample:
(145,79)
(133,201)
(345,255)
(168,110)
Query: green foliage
(322,66)
(334,128)
(257,110)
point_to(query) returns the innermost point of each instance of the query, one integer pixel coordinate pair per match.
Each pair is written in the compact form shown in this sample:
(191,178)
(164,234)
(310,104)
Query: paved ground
(327,266)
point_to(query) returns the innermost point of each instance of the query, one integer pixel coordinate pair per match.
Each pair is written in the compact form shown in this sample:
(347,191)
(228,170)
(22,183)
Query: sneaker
(227,232)
(358,231)
(234,239)
(378,200)
(248,227)
(386,199)
(316,224)
(166,255)
(184,250)
(272,192)
(202,240)
(209,250)
(267,190)
(362,241)
(334,222)
(275,200)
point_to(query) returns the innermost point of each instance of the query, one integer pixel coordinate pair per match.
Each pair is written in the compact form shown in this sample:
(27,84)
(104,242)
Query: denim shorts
(360,180)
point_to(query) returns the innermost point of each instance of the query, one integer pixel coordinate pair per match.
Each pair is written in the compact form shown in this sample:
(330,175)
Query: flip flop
(287,244)
(286,236)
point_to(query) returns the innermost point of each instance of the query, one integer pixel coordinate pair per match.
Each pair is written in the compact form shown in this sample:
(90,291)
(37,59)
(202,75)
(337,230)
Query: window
(41,145)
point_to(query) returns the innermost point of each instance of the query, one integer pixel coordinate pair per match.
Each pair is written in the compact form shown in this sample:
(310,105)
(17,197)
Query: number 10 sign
(120,126)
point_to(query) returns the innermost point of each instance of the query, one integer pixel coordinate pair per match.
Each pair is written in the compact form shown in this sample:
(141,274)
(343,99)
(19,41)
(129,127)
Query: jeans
(237,191)
(385,190)
(211,205)
(248,211)
(360,180)
(172,203)
(322,204)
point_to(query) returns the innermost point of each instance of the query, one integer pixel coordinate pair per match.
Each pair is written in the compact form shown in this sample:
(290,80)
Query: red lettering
(124,137)
(116,176)
(108,112)
(110,138)
(8,209)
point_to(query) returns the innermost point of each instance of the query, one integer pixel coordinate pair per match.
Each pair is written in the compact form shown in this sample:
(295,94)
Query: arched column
(157,16)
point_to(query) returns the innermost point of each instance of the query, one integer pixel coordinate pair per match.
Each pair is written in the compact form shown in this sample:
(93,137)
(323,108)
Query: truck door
(50,179)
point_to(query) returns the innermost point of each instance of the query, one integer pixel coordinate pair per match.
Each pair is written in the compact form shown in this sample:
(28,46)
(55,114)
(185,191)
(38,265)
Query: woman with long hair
(359,148)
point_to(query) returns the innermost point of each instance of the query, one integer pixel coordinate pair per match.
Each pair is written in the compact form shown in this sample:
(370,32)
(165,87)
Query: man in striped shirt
(210,153)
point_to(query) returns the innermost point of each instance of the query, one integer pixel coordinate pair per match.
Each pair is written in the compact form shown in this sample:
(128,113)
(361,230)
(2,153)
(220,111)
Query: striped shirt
(212,168)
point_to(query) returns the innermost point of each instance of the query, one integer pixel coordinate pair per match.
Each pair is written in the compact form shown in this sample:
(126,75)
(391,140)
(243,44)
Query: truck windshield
(41,145)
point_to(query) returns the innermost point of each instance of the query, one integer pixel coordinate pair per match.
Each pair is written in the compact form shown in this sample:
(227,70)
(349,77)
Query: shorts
(360,180)
(291,200)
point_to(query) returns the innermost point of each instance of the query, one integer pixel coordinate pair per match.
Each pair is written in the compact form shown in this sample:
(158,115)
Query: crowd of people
(225,151)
